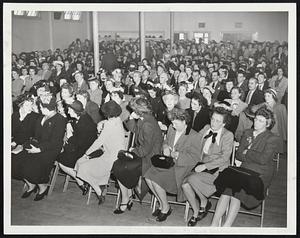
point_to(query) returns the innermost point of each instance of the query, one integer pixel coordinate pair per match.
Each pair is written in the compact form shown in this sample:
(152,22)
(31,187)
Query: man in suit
(242,83)
(263,84)
(215,84)
(254,96)
(216,144)
(198,112)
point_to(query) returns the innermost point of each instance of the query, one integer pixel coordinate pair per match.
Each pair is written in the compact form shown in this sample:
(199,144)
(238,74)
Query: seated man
(216,145)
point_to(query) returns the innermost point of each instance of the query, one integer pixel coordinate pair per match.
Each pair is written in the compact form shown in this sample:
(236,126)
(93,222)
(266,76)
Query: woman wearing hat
(147,142)
(96,171)
(280,115)
(178,145)
(34,163)
(119,97)
(79,137)
(23,120)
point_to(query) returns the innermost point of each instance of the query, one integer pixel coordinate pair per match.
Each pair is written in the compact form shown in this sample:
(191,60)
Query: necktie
(213,134)
(195,114)
(213,85)
(248,97)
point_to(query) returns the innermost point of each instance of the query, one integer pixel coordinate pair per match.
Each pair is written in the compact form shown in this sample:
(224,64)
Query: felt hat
(111,109)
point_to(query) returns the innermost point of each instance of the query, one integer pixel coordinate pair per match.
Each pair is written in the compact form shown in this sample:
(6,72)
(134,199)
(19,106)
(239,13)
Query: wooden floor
(70,208)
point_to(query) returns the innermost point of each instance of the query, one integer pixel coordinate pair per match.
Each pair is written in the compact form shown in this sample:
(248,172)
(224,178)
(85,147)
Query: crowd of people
(185,106)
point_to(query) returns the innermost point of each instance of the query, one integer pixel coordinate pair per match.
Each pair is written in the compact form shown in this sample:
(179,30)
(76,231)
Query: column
(88,25)
(172,28)
(142,34)
(95,41)
(50,20)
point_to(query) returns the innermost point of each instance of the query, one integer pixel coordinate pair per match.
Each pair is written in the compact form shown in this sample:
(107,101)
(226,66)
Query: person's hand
(245,152)
(133,115)
(13,144)
(166,151)
(200,168)
(174,154)
(33,150)
(17,150)
(131,149)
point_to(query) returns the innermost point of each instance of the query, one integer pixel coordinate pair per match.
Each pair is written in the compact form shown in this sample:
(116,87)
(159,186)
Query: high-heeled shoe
(163,216)
(39,197)
(193,221)
(156,212)
(84,188)
(128,207)
(28,193)
(203,213)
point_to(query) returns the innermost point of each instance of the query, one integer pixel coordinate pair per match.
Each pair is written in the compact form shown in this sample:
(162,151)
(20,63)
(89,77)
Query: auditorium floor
(70,208)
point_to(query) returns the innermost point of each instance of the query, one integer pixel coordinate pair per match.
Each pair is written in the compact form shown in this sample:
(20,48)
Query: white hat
(58,62)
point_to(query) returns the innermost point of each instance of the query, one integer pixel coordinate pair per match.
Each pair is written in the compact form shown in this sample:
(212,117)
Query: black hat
(111,109)
(93,79)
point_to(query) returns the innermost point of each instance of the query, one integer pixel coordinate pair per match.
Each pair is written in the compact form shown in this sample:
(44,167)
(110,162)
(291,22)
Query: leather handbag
(163,162)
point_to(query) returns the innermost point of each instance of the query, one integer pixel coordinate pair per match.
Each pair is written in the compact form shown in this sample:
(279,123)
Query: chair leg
(277,162)
(53,179)
(89,195)
(66,183)
(262,214)
(186,212)
(152,200)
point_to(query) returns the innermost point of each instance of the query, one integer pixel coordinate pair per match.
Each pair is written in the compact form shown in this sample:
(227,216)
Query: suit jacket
(147,139)
(259,157)
(265,86)
(218,88)
(218,154)
(202,119)
(245,89)
(257,97)
(187,157)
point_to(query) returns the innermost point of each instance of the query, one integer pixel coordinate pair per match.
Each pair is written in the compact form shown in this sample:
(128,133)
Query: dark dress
(201,119)
(147,142)
(84,134)
(23,130)
(36,167)
(251,189)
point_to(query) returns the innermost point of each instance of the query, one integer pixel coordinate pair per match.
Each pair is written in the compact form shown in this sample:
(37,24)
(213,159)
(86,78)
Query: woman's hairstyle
(84,93)
(23,98)
(200,99)
(16,70)
(179,114)
(68,87)
(237,88)
(170,93)
(222,111)
(119,92)
(273,93)
(23,68)
(183,84)
(268,114)
(34,68)
(140,106)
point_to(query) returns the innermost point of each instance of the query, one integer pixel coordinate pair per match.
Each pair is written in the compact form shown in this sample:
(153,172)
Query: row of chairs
(153,201)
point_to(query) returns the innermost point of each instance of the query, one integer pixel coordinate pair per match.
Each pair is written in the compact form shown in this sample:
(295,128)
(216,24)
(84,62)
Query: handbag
(127,155)
(162,161)
(243,170)
(212,171)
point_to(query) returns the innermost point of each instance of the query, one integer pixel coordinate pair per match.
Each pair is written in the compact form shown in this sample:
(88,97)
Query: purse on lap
(163,162)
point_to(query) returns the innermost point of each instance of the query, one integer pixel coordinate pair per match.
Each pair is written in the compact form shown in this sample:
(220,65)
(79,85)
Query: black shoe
(39,197)
(28,193)
(84,188)
(128,207)
(156,212)
(193,221)
(163,216)
(203,213)
(101,199)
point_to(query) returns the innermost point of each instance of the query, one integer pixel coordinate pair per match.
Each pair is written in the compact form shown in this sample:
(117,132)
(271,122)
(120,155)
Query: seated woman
(156,101)
(183,102)
(119,98)
(208,95)
(34,163)
(215,143)
(147,142)
(198,112)
(79,137)
(256,151)
(23,121)
(280,115)
(178,145)
(170,99)
(96,171)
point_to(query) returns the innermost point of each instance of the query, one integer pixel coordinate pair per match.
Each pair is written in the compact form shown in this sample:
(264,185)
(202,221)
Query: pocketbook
(163,162)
